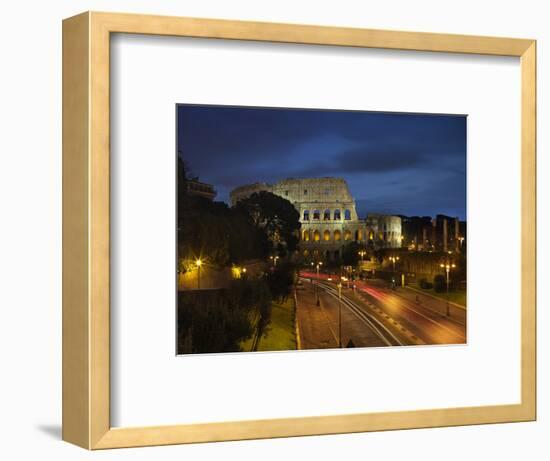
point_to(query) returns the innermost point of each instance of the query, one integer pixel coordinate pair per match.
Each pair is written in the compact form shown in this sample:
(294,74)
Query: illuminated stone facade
(328,216)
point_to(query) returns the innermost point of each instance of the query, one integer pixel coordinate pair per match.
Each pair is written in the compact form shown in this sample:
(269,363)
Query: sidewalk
(315,329)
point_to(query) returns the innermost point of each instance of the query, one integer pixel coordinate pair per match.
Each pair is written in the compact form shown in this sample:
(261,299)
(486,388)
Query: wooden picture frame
(86,230)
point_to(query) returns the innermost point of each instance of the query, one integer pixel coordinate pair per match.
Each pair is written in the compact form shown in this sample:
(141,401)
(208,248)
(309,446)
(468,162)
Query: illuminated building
(328,216)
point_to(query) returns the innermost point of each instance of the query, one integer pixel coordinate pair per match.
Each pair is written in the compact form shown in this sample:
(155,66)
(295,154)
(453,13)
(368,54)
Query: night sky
(409,164)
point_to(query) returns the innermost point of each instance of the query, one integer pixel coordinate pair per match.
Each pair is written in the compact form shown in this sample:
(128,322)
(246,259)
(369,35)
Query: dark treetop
(409,164)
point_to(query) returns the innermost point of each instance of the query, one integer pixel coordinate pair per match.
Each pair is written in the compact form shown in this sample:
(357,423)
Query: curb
(296,323)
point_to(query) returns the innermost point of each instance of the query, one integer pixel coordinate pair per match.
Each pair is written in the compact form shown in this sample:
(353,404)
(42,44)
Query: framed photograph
(276,230)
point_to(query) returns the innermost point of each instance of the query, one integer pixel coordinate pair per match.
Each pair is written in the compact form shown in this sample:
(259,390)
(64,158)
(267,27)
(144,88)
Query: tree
(350,253)
(212,230)
(277,217)
(281,279)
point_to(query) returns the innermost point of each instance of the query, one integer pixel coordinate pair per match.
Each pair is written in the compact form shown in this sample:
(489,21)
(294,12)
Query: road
(373,315)
(319,326)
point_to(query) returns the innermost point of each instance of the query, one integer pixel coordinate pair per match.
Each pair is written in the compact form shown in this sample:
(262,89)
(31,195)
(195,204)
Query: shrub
(218,320)
(425,285)
(440,284)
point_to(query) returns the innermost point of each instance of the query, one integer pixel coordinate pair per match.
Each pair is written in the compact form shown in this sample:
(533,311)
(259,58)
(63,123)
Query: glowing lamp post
(198,262)
(448,267)
(319,264)
(394,259)
(362,253)
(340,315)
(274,260)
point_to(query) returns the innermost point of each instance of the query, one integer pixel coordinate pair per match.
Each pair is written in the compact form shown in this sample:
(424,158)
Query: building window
(337,215)
(358,235)
(306,215)
(326,215)
(337,235)
(326,236)
(316,236)
(316,215)
(305,236)
(347,215)
(286,193)
(305,191)
(347,235)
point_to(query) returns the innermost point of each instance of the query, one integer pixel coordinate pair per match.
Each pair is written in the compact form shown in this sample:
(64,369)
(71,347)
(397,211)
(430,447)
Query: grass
(280,334)
(458,296)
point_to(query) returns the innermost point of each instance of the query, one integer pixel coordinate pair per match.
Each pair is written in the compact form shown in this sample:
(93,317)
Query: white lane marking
(363,316)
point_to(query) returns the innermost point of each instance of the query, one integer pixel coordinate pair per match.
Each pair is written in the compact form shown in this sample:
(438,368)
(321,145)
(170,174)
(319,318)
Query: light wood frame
(86,258)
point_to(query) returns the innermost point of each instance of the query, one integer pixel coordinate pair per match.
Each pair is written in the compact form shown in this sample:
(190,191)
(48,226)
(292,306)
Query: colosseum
(328,216)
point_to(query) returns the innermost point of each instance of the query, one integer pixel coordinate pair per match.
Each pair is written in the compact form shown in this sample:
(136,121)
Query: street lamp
(362,253)
(198,262)
(274,260)
(393,259)
(319,264)
(448,267)
(340,315)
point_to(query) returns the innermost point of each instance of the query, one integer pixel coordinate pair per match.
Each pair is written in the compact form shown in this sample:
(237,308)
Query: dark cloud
(394,163)
(367,159)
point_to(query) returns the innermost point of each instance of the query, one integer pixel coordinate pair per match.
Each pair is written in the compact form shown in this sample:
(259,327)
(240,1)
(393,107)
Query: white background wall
(30,230)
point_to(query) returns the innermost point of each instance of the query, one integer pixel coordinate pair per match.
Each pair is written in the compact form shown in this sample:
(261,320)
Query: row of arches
(316,235)
(336,215)
(326,236)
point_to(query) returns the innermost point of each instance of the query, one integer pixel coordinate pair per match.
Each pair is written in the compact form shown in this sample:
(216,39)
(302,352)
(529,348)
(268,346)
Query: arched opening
(371,235)
(326,235)
(337,216)
(327,254)
(347,235)
(337,236)
(305,236)
(316,235)
(306,215)
(326,215)
(358,235)
(306,253)
(347,215)
(316,215)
